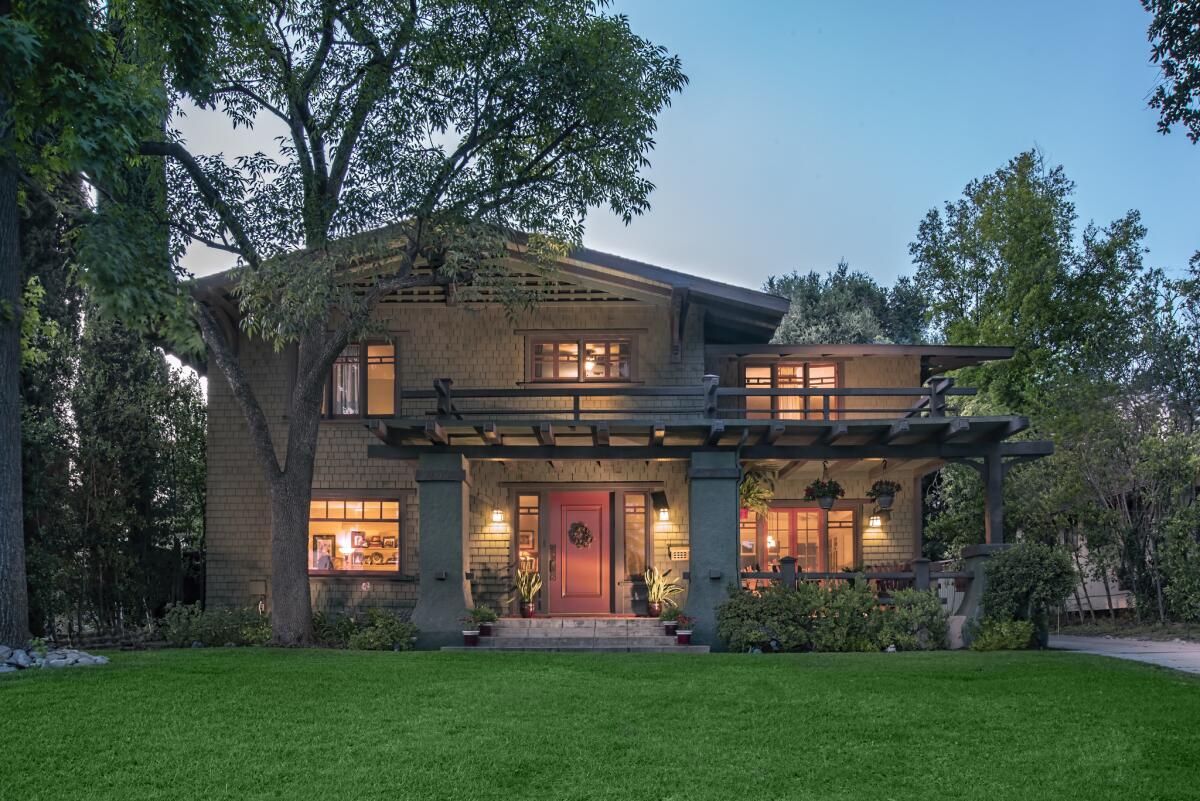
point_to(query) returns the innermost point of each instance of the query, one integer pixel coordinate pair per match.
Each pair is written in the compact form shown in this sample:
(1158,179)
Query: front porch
(503,488)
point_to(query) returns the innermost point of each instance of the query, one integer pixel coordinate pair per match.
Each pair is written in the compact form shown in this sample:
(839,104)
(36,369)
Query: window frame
(364,401)
(811,405)
(792,509)
(580,338)
(391,496)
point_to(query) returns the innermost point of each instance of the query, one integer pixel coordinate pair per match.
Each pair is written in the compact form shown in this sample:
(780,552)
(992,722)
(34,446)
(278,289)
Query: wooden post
(710,395)
(921,573)
(445,408)
(787,571)
(993,493)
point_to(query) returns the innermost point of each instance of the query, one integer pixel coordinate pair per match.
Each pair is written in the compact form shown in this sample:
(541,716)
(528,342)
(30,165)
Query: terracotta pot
(826,502)
(669,627)
(529,609)
(471,637)
(683,637)
(885,501)
(485,629)
(654,608)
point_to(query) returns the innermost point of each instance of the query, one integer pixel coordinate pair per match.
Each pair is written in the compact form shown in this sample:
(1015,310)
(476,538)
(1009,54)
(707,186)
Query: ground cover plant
(251,723)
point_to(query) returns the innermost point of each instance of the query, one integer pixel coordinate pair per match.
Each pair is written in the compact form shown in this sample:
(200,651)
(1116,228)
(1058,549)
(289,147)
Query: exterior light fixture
(497,515)
(658,499)
(874,521)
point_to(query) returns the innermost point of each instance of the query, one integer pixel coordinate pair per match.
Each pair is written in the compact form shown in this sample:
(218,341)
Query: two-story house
(462,446)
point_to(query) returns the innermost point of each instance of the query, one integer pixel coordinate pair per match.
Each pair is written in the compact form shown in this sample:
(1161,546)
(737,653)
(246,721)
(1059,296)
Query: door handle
(553,562)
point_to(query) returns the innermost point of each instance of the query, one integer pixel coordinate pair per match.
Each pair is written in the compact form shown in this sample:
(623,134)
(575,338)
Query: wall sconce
(658,499)
(879,517)
(497,515)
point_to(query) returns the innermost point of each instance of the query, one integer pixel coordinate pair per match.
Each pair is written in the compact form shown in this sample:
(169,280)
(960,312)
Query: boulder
(20,659)
(5,653)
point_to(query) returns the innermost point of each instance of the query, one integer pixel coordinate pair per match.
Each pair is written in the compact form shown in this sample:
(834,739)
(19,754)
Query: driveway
(1173,654)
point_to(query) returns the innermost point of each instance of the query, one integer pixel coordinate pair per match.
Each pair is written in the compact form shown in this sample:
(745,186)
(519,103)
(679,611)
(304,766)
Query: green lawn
(261,723)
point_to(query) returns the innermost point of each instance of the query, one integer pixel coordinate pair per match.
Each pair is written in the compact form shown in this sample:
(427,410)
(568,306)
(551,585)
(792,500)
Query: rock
(231,645)
(20,659)
(99,660)
(891,649)
(58,663)
(8,669)
(5,653)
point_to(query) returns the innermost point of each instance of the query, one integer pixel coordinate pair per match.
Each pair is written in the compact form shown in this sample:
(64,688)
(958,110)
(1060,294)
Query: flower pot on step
(471,637)
(669,627)
(485,629)
(683,637)
(654,608)
(529,609)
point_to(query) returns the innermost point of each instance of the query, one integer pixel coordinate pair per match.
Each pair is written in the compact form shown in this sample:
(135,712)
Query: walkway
(1173,654)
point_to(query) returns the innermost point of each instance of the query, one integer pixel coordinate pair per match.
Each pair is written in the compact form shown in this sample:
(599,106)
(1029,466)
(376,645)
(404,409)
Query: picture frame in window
(525,539)
(389,542)
(324,547)
(358,539)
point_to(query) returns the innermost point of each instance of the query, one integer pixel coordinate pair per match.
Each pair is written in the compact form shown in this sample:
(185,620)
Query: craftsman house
(462,446)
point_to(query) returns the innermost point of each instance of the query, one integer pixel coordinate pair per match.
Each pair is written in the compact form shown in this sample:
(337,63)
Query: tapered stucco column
(444,594)
(713,523)
(993,496)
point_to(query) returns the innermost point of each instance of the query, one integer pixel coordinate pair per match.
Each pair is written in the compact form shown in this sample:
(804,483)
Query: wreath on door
(579,535)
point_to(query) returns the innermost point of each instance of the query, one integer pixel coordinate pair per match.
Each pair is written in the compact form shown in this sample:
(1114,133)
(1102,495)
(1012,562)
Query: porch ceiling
(784,440)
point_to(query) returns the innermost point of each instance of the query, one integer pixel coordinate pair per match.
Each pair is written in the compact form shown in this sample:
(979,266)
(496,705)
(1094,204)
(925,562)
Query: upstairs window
(362,382)
(580,359)
(789,375)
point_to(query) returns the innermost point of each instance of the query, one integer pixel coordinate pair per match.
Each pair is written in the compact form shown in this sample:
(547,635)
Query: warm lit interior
(354,535)
(790,375)
(821,541)
(381,380)
(527,533)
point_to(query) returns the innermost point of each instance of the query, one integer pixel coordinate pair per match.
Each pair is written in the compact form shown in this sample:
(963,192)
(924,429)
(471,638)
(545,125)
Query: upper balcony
(663,422)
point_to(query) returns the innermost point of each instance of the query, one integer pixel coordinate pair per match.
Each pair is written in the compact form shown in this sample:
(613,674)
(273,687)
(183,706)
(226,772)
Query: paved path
(1179,655)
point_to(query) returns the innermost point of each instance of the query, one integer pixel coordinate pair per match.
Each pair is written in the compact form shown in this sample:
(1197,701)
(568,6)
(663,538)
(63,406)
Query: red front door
(580,568)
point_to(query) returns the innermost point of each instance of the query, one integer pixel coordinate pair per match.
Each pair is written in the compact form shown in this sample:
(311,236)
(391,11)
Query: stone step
(584,649)
(573,642)
(581,626)
(582,633)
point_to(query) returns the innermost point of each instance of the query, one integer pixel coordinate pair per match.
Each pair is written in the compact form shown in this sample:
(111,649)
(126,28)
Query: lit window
(790,375)
(357,535)
(599,359)
(636,533)
(527,533)
(363,371)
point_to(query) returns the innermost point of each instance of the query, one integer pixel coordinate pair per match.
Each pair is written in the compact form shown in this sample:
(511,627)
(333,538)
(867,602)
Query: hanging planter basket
(825,491)
(883,492)
(826,502)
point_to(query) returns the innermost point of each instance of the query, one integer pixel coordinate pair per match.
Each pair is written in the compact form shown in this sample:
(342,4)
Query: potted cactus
(529,584)
(661,590)
(484,618)
(670,618)
(883,492)
(683,631)
(824,491)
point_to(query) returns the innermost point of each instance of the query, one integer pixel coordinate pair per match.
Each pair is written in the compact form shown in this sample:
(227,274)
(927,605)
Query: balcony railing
(706,400)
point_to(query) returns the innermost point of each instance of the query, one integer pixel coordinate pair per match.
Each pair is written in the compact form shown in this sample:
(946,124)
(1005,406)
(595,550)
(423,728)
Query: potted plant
(669,618)
(529,584)
(824,491)
(683,632)
(883,492)
(484,617)
(756,491)
(470,630)
(661,590)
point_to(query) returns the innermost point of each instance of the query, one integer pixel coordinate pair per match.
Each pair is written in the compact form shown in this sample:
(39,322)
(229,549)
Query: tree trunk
(14,593)
(291,602)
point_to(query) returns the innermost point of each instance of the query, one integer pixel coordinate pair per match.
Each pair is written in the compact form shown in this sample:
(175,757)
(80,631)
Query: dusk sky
(815,132)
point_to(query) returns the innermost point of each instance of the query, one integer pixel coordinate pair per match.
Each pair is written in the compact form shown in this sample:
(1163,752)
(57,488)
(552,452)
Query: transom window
(362,382)
(790,375)
(355,535)
(581,358)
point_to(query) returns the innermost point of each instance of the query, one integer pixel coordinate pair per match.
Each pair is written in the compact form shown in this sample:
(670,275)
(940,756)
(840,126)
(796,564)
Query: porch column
(993,494)
(713,520)
(443,594)
(974,559)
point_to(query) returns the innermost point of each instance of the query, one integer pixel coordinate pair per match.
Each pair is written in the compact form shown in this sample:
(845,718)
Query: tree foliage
(846,306)
(1174,35)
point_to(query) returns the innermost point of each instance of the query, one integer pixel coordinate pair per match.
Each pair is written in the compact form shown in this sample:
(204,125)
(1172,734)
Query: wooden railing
(707,399)
(884,582)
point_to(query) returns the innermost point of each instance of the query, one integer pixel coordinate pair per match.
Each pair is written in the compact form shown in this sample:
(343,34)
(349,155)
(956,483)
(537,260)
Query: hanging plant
(579,535)
(756,491)
(824,491)
(883,492)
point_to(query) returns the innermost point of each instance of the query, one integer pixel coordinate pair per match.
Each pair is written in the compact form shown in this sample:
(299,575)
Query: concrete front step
(573,642)
(577,627)
(590,649)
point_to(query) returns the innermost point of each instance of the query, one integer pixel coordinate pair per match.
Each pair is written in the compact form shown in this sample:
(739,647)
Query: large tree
(460,125)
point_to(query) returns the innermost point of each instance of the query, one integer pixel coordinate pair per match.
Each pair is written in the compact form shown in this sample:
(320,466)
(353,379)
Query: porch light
(497,515)
(874,521)
(658,499)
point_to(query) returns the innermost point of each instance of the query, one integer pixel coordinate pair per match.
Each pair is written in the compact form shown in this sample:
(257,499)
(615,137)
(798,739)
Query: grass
(322,724)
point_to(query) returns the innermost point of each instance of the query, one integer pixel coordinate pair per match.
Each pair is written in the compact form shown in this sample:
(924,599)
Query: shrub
(185,624)
(775,618)
(1002,635)
(916,622)
(1181,564)
(374,630)
(847,621)
(1024,581)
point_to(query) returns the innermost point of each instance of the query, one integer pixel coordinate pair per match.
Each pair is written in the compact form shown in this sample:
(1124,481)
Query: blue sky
(815,132)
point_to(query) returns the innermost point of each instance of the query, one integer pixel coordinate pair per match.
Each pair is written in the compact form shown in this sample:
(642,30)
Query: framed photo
(324,547)
(358,539)
(525,539)
(389,542)
(356,559)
